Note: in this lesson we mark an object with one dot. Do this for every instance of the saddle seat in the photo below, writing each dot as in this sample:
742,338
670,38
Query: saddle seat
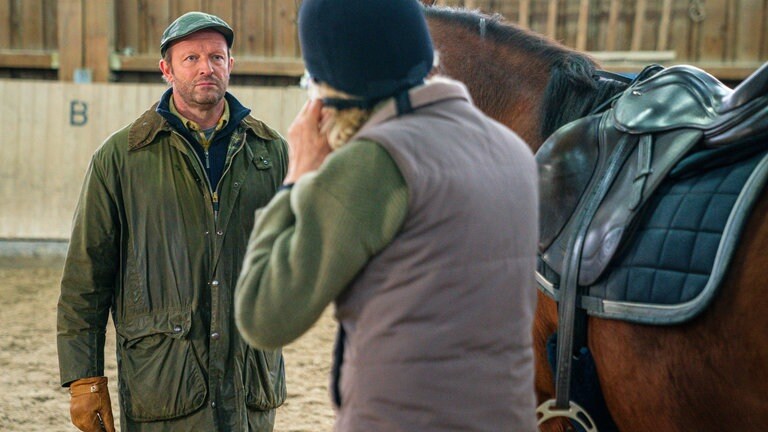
607,166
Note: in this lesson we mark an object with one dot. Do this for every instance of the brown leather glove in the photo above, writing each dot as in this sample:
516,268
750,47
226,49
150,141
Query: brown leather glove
90,406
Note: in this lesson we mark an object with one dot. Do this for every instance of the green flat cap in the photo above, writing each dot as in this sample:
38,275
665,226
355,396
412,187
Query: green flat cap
192,22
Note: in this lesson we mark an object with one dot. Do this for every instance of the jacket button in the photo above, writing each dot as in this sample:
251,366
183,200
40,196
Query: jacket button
220,232
215,335
177,328
213,404
265,161
237,184
206,233
215,283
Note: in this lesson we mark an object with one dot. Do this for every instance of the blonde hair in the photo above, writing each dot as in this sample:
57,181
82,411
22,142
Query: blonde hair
340,125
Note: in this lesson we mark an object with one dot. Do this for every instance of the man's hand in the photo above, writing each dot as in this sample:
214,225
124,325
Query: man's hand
90,406
307,145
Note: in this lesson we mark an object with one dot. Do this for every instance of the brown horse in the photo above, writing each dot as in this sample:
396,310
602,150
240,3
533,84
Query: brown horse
708,374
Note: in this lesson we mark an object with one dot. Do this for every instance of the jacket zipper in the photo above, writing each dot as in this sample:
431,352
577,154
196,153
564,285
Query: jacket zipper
214,197
226,170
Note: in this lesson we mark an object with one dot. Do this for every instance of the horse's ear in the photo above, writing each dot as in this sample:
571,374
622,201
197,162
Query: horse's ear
428,3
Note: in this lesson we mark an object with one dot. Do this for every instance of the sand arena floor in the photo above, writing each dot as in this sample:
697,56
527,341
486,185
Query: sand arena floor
32,400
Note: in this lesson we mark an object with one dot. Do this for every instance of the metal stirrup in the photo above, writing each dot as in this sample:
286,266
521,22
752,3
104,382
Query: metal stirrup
574,412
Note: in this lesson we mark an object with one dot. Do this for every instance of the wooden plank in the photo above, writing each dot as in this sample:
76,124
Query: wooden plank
552,19
525,14
220,8
764,43
681,31
243,65
711,45
750,31
70,19
613,25
153,20
637,28
268,29
262,31
664,25
5,24
50,24
28,59
10,170
180,7
723,71
285,17
31,25
249,39
99,37
127,26
633,56
729,49
29,185
582,27
57,166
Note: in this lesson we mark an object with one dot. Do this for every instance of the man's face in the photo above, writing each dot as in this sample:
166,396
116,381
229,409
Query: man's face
199,69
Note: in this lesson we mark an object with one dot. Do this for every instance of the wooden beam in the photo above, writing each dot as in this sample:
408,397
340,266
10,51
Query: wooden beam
31,19
581,27
613,25
5,24
722,71
664,24
70,43
552,19
524,14
28,59
243,65
633,56
100,37
637,28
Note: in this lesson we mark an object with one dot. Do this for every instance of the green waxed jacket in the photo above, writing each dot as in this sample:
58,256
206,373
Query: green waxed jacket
148,246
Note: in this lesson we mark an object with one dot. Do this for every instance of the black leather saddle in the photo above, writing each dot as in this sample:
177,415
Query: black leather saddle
614,161
598,174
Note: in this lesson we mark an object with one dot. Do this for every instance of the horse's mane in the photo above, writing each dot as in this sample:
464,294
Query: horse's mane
573,89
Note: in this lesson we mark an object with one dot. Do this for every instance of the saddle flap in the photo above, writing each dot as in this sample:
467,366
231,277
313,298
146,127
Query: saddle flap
679,96
567,162
567,183
622,204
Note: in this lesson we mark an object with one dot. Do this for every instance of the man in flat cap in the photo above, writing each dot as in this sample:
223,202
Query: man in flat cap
158,240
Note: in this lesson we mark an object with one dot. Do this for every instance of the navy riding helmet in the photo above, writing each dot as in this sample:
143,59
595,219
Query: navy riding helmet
370,49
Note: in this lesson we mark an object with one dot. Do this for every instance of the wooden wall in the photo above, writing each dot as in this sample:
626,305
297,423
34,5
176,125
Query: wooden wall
116,38
729,38
50,129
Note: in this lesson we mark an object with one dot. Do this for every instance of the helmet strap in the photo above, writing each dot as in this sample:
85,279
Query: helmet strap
403,103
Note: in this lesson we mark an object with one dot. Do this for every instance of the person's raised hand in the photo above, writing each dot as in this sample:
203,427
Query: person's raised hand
307,145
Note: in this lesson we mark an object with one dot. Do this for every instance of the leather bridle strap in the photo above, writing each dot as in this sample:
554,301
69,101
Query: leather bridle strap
569,292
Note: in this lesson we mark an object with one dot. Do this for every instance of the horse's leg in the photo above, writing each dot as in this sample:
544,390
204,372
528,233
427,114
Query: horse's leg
710,374
544,325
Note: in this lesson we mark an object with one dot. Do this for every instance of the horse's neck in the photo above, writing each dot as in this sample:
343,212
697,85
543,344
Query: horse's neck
506,89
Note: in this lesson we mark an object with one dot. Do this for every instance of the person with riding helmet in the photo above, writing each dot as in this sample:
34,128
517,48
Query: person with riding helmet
417,216
159,236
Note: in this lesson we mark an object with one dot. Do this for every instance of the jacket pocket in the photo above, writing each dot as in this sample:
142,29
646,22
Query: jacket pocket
264,379
160,375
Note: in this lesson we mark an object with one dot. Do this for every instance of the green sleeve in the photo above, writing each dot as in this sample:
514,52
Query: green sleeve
88,280
310,242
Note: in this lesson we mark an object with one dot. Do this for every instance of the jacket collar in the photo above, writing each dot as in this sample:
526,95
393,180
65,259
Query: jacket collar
145,129
436,90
